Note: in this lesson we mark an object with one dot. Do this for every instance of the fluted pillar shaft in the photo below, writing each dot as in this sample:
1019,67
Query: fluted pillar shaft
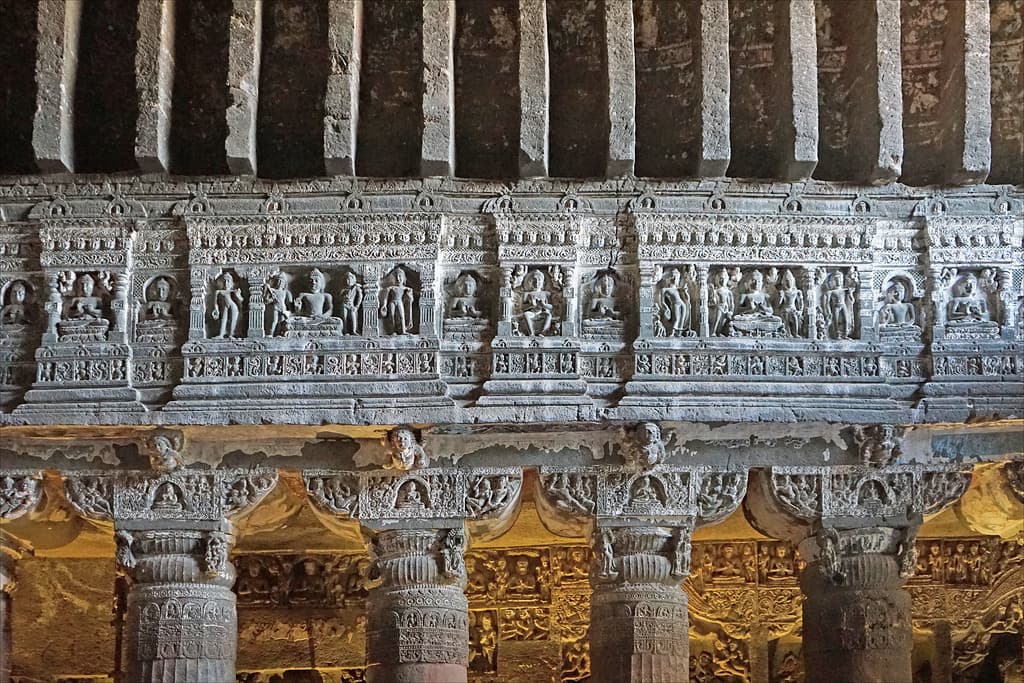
856,613
180,625
639,629
418,617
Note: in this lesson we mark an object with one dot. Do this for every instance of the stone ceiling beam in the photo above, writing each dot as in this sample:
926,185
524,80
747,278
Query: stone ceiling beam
56,72
713,40
154,81
967,94
244,46
876,88
534,89
621,62
796,55
437,155
341,108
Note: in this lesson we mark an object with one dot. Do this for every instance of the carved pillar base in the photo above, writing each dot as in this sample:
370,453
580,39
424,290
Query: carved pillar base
418,618
857,622
639,628
180,625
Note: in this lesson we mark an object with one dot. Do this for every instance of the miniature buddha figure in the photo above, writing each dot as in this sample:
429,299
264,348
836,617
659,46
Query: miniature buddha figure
396,311
522,580
537,308
351,299
464,300
85,306
791,304
838,301
408,496
935,563
252,585
15,312
968,305
780,566
158,305
313,311
728,566
602,299
644,492
721,304
166,499
755,315
315,303
755,301
674,299
476,580
227,302
897,311
308,584
749,561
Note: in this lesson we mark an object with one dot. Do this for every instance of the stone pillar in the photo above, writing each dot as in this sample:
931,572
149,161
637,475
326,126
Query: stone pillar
856,526
415,520
418,617
856,615
180,623
640,517
6,585
639,629
173,537
20,492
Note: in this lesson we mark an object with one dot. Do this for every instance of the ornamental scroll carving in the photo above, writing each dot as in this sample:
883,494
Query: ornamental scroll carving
180,494
430,493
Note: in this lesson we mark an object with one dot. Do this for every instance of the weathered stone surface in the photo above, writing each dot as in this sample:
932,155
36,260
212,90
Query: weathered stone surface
438,152
534,89
244,49
341,107
56,72
154,82
621,63
796,57
715,88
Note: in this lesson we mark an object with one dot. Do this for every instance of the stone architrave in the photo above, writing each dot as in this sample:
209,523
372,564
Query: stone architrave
856,526
173,535
20,492
641,523
414,522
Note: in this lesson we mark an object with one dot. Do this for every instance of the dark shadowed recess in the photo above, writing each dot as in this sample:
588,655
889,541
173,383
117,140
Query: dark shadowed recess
753,82
667,35
391,89
200,99
293,81
106,105
486,88
17,85
578,143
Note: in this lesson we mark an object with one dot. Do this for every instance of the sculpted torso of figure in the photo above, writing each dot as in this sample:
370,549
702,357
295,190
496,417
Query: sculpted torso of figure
464,299
896,310
602,302
226,303
537,309
838,302
315,303
791,304
721,303
755,300
158,307
968,305
397,308
85,306
675,300
14,311
351,300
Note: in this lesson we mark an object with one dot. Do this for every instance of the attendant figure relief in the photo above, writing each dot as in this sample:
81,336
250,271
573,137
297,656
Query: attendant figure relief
404,450
279,302
790,300
672,304
646,447
351,301
227,306
721,303
396,309
838,302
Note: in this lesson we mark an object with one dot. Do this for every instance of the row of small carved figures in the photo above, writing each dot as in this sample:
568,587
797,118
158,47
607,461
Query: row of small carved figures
740,302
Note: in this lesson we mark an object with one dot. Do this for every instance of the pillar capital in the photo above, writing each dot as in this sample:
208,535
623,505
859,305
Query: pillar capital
173,534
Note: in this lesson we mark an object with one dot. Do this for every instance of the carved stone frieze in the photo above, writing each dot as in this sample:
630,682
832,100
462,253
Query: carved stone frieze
20,492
